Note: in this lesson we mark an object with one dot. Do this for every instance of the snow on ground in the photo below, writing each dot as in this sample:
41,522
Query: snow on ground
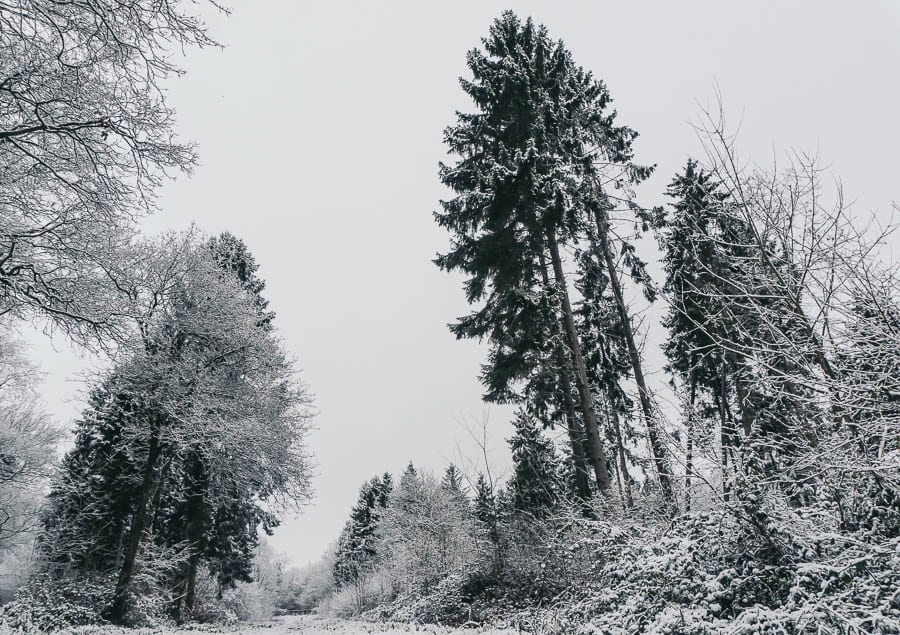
295,625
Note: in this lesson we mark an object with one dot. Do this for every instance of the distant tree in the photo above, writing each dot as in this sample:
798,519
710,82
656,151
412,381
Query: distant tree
425,533
536,486
28,440
357,547
453,483
487,521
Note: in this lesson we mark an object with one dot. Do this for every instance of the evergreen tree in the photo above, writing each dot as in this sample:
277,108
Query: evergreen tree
535,486
525,180
487,521
607,359
703,246
357,545
93,497
733,335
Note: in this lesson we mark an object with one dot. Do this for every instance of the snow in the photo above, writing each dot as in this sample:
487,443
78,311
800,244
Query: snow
293,625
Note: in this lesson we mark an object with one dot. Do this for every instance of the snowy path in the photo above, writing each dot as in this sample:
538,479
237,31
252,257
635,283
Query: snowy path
309,625
298,625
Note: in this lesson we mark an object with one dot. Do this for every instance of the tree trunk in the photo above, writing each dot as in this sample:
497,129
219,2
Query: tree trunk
116,612
574,429
656,443
746,419
721,397
598,457
194,530
620,447
689,454
576,442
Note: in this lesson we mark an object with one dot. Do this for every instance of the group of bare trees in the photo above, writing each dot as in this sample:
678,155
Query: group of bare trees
86,138
785,317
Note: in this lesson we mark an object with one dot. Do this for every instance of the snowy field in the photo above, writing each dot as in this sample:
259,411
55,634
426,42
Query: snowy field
297,625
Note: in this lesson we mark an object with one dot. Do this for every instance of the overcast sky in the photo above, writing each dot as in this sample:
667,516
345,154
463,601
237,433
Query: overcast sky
319,127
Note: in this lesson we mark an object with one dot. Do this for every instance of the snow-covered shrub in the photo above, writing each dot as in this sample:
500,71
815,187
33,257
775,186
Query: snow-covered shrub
45,603
245,602
703,573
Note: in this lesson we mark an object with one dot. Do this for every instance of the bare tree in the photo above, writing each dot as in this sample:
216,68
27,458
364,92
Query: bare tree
27,445
86,137
814,326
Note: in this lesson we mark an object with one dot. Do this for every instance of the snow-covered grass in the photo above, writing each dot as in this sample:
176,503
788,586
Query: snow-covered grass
293,625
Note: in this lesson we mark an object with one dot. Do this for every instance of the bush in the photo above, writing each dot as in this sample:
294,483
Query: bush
47,604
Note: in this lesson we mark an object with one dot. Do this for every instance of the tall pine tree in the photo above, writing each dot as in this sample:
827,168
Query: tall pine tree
526,186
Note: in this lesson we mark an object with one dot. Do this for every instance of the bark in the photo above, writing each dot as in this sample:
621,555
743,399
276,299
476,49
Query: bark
660,458
116,612
625,486
576,441
574,429
746,419
598,457
721,397
194,532
689,454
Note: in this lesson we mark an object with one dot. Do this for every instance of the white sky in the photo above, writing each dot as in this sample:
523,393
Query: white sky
319,128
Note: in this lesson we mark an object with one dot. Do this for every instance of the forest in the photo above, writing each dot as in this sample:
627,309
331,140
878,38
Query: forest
754,488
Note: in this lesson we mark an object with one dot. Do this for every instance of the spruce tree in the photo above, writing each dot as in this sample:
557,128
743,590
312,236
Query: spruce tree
733,333
91,501
524,183
607,359
357,545
702,248
535,486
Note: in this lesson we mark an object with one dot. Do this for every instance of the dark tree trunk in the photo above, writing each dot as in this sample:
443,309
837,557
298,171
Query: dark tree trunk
193,532
573,427
657,447
746,419
689,454
598,457
724,437
625,485
116,612
576,442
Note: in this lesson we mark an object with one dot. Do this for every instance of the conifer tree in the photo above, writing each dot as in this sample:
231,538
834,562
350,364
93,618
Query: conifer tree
733,336
702,247
607,359
357,545
525,183
93,497
484,509
535,486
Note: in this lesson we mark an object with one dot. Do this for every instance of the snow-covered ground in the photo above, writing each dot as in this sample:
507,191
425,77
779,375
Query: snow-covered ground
298,625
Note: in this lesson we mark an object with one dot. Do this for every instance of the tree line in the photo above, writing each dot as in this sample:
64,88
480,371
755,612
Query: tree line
781,348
